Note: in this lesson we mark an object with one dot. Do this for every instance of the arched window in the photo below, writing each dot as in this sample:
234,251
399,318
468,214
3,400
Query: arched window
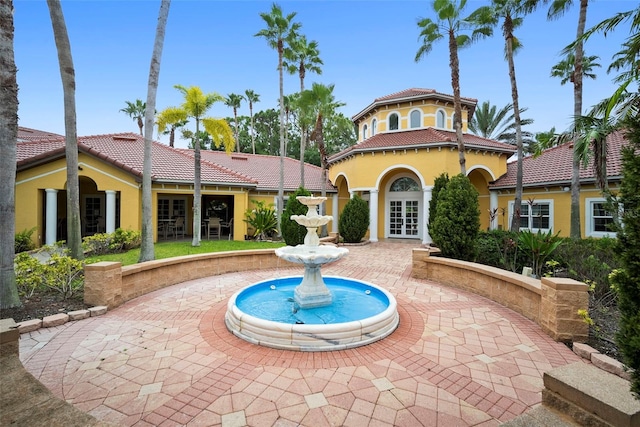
415,119
374,127
393,121
364,132
440,119
404,184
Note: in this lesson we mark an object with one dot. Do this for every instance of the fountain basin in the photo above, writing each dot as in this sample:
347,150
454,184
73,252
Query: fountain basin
264,313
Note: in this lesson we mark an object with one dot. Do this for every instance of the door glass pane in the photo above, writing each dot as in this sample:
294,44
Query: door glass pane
395,217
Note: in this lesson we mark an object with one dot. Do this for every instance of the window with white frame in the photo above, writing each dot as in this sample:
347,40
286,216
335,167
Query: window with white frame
440,119
374,127
364,131
414,119
599,219
536,215
394,121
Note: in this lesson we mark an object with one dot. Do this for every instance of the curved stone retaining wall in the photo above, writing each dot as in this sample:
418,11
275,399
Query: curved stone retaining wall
109,284
552,302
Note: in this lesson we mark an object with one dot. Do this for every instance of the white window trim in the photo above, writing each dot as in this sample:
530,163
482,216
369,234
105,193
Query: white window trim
389,121
365,132
588,214
374,127
420,120
445,118
541,201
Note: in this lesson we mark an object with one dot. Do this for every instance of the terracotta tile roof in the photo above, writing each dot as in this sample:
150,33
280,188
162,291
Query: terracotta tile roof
422,138
265,170
554,166
126,151
414,94
27,134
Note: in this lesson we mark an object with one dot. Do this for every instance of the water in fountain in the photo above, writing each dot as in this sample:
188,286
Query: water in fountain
304,313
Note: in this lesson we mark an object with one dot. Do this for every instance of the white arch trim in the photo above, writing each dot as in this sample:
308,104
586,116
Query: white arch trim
484,168
344,175
400,166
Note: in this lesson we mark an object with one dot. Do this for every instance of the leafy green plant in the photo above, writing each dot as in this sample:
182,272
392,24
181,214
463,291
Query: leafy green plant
292,232
55,271
354,220
262,218
438,184
539,246
457,219
23,242
107,243
499,248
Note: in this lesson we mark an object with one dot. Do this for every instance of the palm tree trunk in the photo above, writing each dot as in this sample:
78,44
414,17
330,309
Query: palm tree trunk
146,248
253,136
282,147
454,64
67,72
196,189
235,119
576,228
302,138
9,297
515,220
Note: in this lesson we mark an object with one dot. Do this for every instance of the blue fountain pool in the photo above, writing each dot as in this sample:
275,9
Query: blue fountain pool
273,300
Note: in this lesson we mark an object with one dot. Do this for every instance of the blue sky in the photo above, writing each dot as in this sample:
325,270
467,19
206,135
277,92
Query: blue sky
368,49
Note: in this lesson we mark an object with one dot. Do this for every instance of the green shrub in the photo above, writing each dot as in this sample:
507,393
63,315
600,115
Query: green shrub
262,219
354,220
292,232
627,278
23,242
457,220
56,271
499,248
590,261
111,243
439,183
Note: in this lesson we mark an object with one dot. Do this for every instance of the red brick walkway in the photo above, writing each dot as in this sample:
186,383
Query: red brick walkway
167,359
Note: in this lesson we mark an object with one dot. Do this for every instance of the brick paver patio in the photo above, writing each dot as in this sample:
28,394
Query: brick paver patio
167,359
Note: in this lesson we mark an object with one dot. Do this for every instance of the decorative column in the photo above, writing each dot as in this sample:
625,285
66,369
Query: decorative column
373,215
51,216
426,199
351,194
334,213
493,207
110,222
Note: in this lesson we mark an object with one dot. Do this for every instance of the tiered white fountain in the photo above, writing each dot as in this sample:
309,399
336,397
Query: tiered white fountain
307,314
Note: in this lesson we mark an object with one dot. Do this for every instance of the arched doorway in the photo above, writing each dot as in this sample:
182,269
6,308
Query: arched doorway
403,209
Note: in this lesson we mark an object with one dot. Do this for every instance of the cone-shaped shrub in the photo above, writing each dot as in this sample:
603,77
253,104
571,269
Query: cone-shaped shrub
354,220
292,232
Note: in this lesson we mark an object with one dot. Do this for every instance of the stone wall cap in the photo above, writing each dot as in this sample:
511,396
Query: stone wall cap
8,331
563,284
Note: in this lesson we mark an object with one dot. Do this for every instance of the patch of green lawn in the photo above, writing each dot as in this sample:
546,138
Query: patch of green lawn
174,249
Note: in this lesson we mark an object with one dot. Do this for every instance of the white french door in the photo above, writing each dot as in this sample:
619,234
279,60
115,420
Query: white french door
404,218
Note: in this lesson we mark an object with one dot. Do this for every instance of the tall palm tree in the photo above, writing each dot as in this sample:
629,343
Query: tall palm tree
172,118
565,70
320,103
302,56
136,110
196,103
512,13
252,98
234,100
289,107
489,122
9,297
450,24
279,32
67,72
579,63
146,247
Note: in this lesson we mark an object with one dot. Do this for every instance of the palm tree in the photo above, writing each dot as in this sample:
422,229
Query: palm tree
280,31
578,64
512,13
451,24
146,247
565,69
173,118
196,103
289,106
252,98
320,103
489,122
67,72
302,56
234,100
136,110
9,296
